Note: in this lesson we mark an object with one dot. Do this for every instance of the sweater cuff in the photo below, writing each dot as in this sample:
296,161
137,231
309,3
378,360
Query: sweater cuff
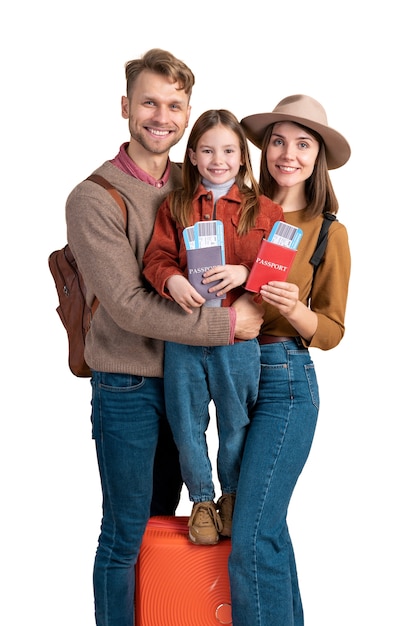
232,316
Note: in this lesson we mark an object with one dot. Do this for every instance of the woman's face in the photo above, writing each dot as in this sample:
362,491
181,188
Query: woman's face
291,154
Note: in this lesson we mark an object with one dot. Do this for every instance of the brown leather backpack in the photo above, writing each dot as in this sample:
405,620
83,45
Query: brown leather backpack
73,310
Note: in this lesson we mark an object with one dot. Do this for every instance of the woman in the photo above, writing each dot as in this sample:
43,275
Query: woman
298,148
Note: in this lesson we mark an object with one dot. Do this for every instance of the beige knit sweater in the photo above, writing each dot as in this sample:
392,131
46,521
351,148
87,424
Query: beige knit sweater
132,321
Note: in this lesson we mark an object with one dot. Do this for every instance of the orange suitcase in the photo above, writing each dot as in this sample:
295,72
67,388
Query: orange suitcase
178,583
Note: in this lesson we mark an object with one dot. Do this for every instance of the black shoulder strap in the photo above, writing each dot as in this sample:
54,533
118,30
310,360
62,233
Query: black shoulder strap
317,257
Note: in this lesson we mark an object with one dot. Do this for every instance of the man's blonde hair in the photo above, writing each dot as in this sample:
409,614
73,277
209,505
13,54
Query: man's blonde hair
160,62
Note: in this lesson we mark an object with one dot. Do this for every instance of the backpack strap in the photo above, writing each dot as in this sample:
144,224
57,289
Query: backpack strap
96,178
317,257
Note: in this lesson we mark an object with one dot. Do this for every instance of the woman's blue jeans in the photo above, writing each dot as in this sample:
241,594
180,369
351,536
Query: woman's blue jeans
262,569
140,475
194,375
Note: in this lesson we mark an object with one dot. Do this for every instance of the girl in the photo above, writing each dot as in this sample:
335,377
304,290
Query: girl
218,184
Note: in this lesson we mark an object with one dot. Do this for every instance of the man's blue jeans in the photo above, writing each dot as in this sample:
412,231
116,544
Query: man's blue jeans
129,424
194,375
262,569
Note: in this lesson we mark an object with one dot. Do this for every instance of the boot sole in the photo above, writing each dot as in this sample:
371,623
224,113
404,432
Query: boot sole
200,541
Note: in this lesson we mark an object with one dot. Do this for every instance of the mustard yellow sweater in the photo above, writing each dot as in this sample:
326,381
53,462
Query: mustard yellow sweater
330,290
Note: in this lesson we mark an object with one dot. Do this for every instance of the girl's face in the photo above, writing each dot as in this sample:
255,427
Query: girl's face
291,154
218,156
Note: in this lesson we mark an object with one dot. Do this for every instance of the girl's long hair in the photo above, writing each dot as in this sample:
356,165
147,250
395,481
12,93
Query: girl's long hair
180,200
318,187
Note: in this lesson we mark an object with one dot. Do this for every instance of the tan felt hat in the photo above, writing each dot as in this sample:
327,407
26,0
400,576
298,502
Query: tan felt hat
308,112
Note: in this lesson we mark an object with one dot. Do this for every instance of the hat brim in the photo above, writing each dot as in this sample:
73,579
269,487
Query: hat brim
337,148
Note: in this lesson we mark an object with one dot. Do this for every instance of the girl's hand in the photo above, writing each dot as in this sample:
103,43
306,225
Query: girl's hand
184,293
230,276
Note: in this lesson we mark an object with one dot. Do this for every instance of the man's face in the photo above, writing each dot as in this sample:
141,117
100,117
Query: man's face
158,112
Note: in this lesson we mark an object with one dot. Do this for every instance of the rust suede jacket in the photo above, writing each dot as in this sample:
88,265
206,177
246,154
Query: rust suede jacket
166,253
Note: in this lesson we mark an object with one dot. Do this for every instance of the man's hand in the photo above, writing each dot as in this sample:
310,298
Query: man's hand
249,317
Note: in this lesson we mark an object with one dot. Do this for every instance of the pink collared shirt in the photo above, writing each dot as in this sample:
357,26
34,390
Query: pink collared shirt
128,166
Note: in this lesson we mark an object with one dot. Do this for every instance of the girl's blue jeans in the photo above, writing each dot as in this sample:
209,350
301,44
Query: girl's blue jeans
193,376
262,569
140,476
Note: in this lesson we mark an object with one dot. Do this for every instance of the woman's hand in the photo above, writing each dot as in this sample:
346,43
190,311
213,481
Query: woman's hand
284,296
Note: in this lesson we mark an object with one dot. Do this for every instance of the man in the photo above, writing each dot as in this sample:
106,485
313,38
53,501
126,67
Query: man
137,459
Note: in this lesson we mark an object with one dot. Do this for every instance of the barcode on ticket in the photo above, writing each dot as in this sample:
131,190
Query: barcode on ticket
204,235
286,235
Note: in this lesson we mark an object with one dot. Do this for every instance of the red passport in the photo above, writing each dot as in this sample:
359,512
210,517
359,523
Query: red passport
273,262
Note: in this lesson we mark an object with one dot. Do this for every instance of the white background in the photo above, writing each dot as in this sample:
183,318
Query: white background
352,517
